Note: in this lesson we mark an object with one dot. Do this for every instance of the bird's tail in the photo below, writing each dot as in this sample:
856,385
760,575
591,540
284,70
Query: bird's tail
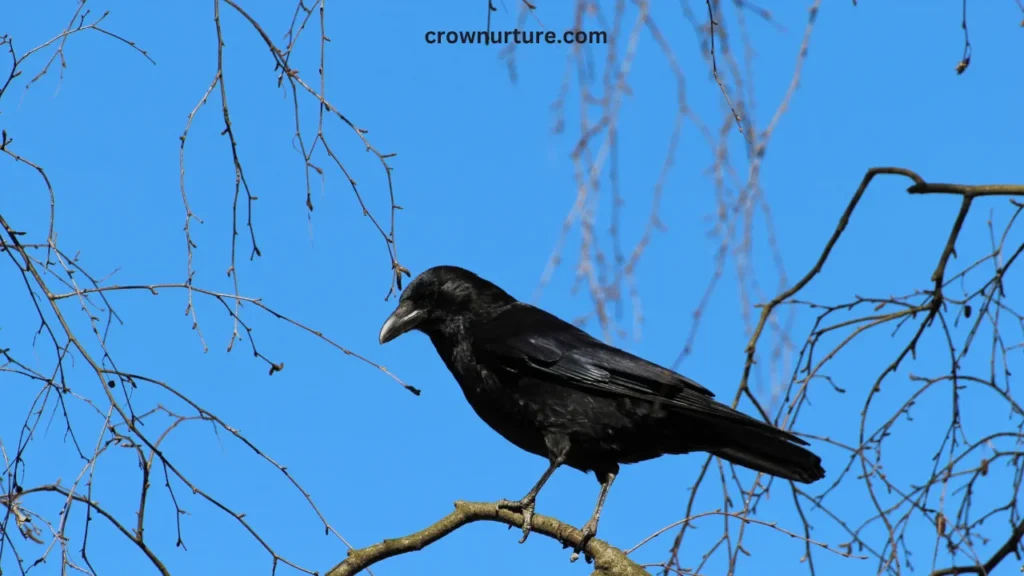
764,449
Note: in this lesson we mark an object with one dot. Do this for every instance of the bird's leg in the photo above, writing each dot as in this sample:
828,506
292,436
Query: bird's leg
526,504
590,528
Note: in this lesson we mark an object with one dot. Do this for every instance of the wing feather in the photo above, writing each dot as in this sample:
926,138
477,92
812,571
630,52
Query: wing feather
532,342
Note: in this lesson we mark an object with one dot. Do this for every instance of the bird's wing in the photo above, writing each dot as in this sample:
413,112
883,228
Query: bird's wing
529,341
524,333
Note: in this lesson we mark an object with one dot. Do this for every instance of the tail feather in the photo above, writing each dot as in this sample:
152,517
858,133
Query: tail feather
772,455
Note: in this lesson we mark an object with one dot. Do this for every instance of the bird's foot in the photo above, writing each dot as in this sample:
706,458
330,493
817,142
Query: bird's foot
524,507
589,530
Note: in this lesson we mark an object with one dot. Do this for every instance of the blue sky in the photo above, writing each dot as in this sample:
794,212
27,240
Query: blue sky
485,184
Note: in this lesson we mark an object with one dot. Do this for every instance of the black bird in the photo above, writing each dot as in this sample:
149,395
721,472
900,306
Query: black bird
553,390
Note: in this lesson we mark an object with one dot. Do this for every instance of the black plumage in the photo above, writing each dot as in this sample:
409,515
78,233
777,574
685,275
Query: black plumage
555,391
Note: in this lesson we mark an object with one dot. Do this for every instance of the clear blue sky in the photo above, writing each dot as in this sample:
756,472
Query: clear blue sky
486,185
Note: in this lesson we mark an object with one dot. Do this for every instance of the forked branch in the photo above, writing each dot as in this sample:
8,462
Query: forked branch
608,560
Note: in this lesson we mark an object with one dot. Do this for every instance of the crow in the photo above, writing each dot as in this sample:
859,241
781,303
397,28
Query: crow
553,390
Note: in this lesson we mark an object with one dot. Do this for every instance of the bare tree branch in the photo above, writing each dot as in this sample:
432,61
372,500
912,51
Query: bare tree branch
608,560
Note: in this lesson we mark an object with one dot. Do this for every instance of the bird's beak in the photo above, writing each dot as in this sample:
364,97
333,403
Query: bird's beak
403,319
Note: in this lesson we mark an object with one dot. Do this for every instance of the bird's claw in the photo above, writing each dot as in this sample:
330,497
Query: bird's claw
524,507
589,530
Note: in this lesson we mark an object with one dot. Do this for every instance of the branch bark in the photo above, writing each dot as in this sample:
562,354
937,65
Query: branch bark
608,560
1010,547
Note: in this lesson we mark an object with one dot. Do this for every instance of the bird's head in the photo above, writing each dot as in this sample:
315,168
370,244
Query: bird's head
441,297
